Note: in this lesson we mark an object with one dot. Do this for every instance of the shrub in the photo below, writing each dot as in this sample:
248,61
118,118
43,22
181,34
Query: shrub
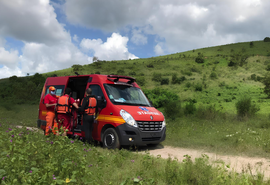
141,80
121,72
207,112
253,77
97,72
213,75
189,108
188,85
157,77
173,109
245,107
199,59
266,82
77,67
268,67
160,97
132,73
176,80
198,87
150,66
164,81
266,39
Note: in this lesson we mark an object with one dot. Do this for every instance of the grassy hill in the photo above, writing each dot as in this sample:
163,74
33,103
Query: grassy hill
211,82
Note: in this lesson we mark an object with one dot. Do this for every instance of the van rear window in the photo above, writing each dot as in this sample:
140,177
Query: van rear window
59,89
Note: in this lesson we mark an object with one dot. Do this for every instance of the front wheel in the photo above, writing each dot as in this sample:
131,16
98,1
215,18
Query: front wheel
110,139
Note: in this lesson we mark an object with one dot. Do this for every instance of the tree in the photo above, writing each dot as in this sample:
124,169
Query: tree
266,39
266,82
95,59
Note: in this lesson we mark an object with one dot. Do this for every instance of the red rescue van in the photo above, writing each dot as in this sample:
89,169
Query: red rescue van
126,117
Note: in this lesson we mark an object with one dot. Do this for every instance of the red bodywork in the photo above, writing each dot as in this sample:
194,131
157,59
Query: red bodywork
111,113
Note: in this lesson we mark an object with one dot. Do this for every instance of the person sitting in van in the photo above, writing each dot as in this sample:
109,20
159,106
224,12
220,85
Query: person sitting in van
50,102
89,109
63,110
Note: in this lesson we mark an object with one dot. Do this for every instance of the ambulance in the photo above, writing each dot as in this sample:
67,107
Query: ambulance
126,117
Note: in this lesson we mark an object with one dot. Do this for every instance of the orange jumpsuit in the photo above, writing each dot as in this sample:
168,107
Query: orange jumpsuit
51,123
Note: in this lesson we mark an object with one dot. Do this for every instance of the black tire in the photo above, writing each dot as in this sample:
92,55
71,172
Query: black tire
110,139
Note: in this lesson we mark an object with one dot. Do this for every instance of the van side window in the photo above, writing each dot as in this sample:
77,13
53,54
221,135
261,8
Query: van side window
59,89
96,90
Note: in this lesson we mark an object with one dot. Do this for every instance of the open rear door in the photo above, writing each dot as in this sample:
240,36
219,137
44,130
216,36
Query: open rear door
60,84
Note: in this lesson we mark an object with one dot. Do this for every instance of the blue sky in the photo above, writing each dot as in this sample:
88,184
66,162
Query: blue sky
42,35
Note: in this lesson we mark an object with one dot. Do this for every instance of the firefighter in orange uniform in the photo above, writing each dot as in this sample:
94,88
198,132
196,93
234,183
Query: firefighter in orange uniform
89,109
63,110
50,102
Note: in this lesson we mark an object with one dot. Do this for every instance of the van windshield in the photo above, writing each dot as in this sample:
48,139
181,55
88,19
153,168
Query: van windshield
126,95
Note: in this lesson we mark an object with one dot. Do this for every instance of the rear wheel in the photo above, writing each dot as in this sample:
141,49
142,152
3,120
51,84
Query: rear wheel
110,139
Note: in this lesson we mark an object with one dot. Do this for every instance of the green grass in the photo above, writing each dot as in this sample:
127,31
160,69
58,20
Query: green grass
28,157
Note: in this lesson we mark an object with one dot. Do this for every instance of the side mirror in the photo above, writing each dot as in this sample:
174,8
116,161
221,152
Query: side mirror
101,102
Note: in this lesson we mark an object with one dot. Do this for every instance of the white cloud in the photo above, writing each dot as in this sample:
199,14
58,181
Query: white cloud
158,49
42,58
9,59
138,38
181,25
115,48
31,21
75,38
7,72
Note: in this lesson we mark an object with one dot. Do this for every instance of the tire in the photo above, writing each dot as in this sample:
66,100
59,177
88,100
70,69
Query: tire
110,139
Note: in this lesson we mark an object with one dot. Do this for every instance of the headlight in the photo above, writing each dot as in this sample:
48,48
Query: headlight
128,118
163,124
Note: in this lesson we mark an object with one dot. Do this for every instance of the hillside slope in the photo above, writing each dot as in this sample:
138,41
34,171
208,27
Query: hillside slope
216,75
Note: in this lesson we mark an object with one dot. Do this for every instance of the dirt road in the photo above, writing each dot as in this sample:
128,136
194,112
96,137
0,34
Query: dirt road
236,163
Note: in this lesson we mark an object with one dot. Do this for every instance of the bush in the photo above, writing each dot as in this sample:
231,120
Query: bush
245,107
132,73
97,72
77,67
213,75
120,72
266,39
160,97
164,81
173,109
176,80
189,108
198,87
266,82
157,77
140,80
150,66
207,112
268,67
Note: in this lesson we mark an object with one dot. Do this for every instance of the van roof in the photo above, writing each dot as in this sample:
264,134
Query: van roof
99,78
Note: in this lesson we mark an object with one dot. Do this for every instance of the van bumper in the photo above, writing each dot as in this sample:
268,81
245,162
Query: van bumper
134,136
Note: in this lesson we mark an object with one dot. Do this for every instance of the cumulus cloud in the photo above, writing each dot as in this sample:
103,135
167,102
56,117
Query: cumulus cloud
31,21
182,25
8,58
42,58
115,48
138,37
7,72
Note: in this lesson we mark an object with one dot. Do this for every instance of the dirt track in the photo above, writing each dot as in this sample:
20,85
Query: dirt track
236,163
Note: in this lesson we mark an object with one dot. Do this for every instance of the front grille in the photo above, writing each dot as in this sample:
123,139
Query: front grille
149,125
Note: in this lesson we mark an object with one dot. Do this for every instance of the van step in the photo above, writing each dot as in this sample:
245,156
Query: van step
77,130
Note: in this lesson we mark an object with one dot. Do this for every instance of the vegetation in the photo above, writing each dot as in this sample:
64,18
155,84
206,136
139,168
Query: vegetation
27,157
219,103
